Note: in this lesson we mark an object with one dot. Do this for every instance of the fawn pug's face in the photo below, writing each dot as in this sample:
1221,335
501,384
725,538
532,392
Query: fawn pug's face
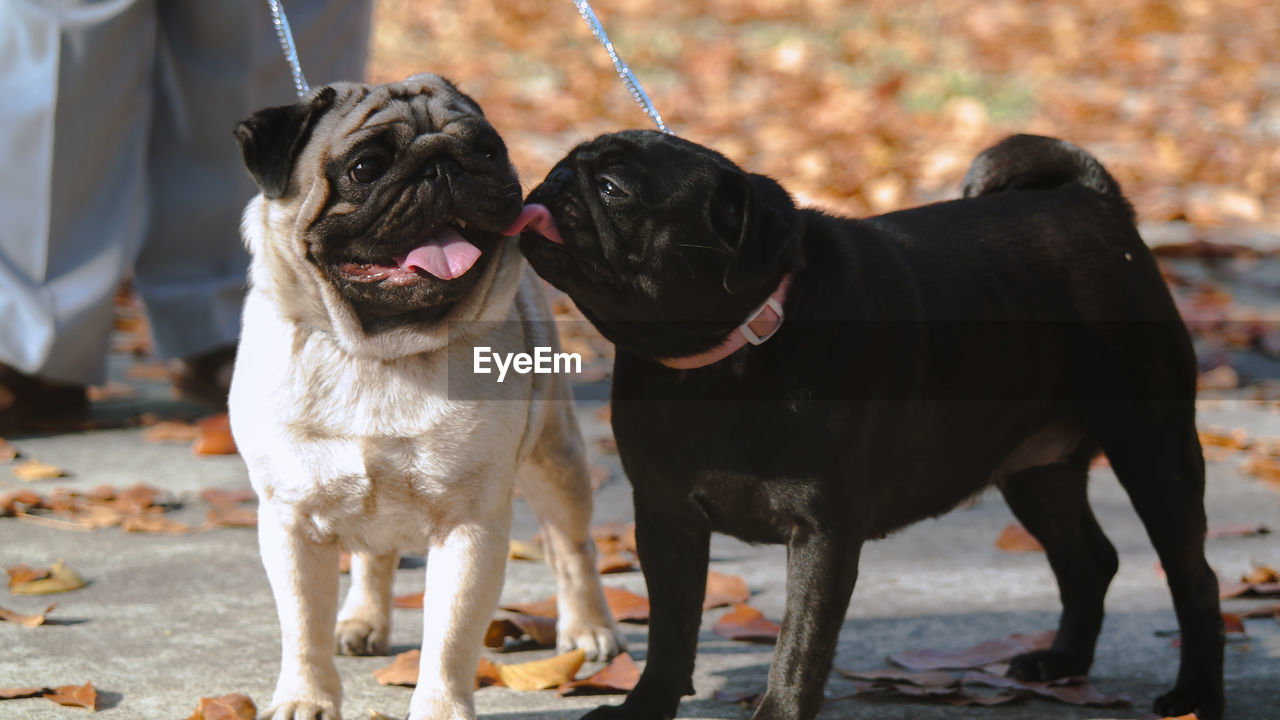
397,194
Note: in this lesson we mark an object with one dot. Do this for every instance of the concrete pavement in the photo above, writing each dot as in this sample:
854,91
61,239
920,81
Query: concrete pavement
169,619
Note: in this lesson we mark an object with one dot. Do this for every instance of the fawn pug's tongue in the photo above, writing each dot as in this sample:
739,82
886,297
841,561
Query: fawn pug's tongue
445,255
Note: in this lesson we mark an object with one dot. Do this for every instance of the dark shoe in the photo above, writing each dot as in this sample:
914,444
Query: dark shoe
27,400
206,378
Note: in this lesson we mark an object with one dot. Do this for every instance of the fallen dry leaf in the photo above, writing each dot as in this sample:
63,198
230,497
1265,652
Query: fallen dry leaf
403,670
26,620
541,608
981,654
619,676
84,696
157,524
745,698
935,678
33,581
1237,439
520,550
412,601
1015,538
225,707
487,674
171,431
1265,468
230,516
32,470
7,451
542,674
22,692
215,436
748,624
616,563
541,631
1262,581
1242,530
10,500
1073,691
724,590
615,538
627,606
112,390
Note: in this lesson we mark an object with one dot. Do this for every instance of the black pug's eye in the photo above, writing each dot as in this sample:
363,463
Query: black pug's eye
367,168
609,188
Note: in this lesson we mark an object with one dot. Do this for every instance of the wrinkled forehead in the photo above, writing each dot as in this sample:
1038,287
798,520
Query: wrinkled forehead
419,105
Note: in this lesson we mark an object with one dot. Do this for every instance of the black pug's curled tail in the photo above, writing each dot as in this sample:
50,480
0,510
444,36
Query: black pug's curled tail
1035,162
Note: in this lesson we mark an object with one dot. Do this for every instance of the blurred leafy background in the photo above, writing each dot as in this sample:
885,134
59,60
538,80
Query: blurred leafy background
864,107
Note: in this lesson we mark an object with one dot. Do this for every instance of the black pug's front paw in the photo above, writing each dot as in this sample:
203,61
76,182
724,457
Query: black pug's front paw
1206,703
1046,666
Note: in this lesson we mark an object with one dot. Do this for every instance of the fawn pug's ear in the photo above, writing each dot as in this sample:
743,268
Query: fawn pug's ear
271,139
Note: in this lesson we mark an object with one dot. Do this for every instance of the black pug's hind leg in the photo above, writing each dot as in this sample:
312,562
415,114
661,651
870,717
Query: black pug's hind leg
674,549
821,570
1052,503
1160,465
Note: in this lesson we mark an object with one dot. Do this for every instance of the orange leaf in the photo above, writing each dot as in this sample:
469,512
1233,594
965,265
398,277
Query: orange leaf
23,573
171,431
231,516
33,469
542,608
23,692
26,620
226,496
75,696
1015,538
615,563
402,671
627,606
215,436
7,451
619,676
154,524
724,590
617,537
11,499
542,674
487,674
1237,439
540,630
411,601
1232,623
225,707
981,654
58,578
748,624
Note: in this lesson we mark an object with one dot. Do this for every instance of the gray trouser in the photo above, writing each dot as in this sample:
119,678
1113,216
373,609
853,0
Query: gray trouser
115,137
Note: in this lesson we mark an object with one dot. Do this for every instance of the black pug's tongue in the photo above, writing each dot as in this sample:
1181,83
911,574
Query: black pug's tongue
447,255
537,218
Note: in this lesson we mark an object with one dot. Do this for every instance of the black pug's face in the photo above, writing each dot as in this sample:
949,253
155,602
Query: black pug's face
665,245
417,190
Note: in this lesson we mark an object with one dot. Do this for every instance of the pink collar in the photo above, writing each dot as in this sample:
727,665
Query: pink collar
759,327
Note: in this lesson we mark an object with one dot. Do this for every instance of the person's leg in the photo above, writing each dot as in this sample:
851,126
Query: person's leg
76,81
216,63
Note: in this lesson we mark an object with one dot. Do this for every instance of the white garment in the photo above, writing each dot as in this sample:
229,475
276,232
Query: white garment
116,155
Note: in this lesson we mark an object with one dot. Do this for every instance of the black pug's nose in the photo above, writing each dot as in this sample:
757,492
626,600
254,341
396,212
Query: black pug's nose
441,169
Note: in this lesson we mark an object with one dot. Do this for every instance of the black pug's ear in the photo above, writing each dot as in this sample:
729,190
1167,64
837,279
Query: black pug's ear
768,226
271,139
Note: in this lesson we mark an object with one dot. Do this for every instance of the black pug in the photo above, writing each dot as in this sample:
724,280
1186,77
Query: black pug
786,376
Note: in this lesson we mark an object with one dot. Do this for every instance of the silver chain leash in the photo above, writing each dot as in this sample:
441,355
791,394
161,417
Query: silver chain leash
285,35
627,77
